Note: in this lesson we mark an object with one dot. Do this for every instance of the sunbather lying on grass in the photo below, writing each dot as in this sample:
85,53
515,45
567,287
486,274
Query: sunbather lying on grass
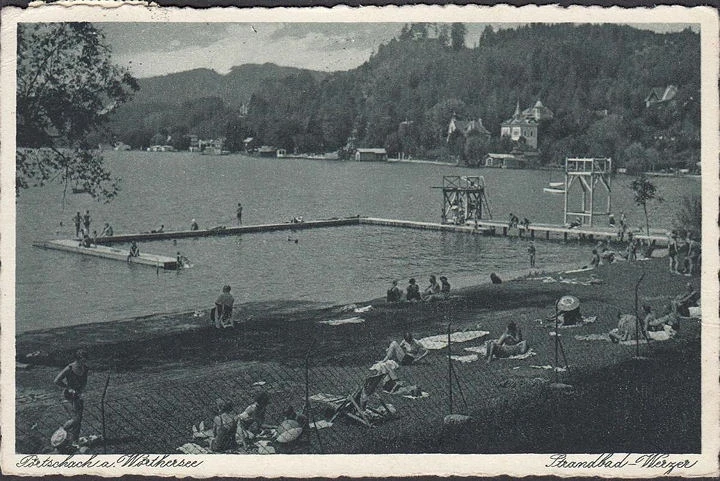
509,344
406,351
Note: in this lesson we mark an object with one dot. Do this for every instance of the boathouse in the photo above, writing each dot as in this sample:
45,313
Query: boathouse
371,154
267,151
505,161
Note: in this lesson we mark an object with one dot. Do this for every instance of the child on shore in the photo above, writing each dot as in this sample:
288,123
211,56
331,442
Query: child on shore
224,427
252,418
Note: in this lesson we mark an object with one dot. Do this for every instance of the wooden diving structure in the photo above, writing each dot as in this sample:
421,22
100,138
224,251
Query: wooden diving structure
463,198
590,174
106,252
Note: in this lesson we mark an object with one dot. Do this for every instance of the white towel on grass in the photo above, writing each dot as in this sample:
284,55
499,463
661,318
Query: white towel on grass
340,322
482,352
440,341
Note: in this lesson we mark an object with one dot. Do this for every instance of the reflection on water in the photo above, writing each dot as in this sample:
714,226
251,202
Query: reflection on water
334,265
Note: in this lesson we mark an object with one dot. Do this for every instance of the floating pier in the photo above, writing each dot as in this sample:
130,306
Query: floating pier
105,252
483,227
223,230
409,224
555,232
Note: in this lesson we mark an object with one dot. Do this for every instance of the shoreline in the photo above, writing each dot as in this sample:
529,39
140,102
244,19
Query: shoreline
274,347
177,322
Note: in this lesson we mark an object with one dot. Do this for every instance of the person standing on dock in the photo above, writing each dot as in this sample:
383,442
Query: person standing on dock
73,380
239,213
86,221
77,220
531,253
134,250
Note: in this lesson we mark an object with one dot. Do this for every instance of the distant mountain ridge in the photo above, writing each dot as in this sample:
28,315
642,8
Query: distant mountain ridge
235,88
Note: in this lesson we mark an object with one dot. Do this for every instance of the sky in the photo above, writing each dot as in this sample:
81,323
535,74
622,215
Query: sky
151,49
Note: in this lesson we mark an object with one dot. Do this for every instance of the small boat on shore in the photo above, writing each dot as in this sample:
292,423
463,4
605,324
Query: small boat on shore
553,190
556,185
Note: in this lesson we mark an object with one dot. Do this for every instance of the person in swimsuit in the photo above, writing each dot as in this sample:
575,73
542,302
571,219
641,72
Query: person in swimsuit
73,379
444,286
432,289
107,231
509,344
223,308
224,427
413,291
239,213
673,253
531,252
194,225
394,294
86,221
134,250
252,418
406,351
77,220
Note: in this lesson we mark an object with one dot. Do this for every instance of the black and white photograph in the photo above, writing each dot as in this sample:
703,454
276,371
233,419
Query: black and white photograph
409,231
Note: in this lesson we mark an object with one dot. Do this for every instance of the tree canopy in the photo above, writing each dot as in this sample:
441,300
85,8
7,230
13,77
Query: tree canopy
594,78
67,86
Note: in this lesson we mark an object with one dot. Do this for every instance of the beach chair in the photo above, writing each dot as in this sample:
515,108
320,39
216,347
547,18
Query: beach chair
355,406
221,320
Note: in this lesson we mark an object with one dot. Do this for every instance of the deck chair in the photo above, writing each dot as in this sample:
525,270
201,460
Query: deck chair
355,405
223,319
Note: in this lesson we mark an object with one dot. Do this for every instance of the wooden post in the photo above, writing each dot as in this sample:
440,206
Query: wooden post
547,234
450,393
565,236
102,413
532,233
505,231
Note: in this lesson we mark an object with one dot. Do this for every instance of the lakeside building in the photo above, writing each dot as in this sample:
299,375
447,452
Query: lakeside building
524,124
659,95
267,151
467,127
371,154
505,161
161,148
194,143
213,146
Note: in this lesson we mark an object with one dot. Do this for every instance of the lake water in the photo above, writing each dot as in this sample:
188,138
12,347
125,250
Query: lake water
326,266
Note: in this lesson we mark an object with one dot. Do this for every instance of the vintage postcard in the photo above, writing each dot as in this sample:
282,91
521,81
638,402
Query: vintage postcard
359,241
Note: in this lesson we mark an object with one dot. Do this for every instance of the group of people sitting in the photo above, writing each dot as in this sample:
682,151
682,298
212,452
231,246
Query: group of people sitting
227,426
629,329
514,221
435,291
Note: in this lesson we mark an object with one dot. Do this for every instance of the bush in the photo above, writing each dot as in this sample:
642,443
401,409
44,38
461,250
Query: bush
689,217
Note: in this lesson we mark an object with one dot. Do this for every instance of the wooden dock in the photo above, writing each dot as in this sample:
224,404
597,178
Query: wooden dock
483,227
556,232
223,230
409,224
105,252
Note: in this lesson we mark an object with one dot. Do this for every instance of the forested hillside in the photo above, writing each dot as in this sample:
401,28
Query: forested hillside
595,78
200,101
